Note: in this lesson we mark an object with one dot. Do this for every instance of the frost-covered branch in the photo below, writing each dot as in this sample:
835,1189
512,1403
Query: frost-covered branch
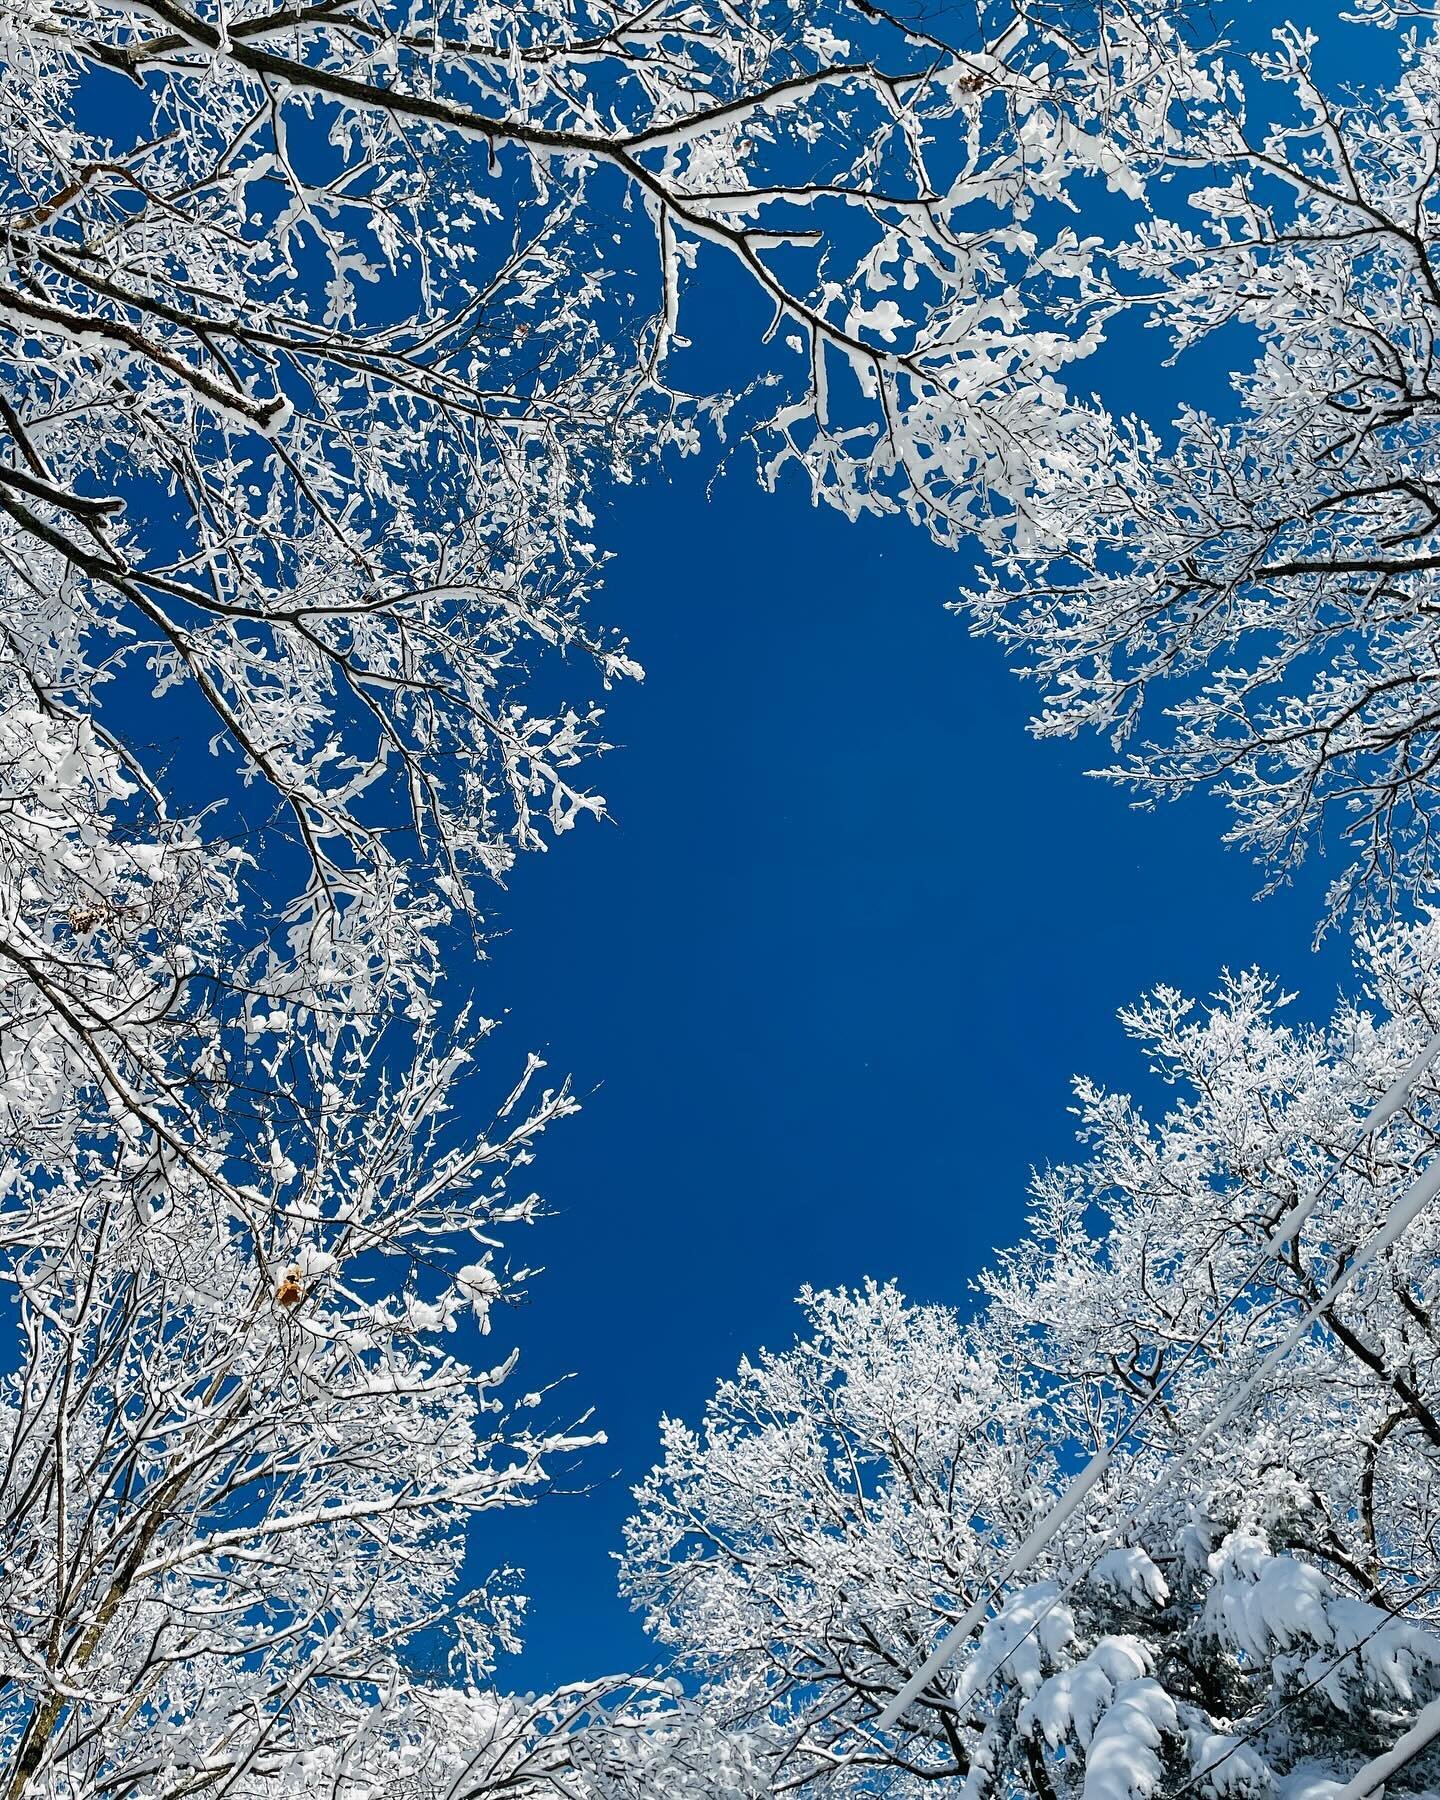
1273,562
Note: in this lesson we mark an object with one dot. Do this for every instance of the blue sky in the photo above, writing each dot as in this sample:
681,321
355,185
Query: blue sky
828,975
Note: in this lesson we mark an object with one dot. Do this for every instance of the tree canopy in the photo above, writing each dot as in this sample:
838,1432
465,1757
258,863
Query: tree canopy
324,329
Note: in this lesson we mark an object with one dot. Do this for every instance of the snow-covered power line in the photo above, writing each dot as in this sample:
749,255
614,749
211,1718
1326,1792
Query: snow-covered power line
1372,1778
1412,1202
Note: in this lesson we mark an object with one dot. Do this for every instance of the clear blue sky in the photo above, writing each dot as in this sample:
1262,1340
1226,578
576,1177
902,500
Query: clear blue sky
829,975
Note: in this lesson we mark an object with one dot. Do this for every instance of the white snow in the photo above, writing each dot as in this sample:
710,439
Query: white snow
1227,1767
1127,1570
1071,1703
1025,1636
1123,1761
